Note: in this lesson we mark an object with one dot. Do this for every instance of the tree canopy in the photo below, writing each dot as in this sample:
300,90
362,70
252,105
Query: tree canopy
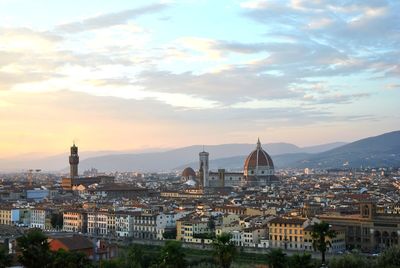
224,250
35,250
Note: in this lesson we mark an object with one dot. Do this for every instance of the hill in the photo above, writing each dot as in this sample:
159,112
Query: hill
378,151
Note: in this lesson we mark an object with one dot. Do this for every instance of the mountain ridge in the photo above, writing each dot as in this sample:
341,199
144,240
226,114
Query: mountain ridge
381,150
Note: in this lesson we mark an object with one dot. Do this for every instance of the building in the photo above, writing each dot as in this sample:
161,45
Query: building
258,167
40,218
69,184
75,243
145,226
296,234
258,170
5,216
192,228
113,190
188,174
253,235
124,221
369,230
203,170
75,221
74,181
167,222
73,162
98,222
287,233
37,194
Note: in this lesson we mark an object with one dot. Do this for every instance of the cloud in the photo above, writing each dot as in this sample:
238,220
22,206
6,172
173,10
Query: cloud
27,40
110,19
392,86
226,86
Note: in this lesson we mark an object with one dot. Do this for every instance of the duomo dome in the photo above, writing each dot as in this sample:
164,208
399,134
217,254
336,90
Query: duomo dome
258,163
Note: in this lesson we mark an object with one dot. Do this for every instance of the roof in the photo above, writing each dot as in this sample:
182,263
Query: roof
187,172
75,242
258,158
288,220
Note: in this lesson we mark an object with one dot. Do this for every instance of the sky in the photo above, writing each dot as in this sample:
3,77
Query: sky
123,75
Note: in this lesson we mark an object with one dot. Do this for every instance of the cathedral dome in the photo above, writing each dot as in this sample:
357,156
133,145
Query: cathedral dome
188,172
258,163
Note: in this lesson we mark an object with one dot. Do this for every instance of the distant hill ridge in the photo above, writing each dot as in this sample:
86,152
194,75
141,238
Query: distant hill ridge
378,151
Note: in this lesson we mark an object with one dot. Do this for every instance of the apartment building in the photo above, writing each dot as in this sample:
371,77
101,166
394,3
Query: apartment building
75,221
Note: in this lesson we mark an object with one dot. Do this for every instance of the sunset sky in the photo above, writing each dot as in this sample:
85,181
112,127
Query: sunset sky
119,75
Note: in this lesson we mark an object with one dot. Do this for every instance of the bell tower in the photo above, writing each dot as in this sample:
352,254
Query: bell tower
73,161
203,172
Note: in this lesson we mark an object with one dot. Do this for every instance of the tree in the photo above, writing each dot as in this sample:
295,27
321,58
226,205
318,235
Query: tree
276,258
390,257
301,261
5,258
211,224
133,257
224,250
353,260
35,250
172,256
170,234
57,220
113,263
70,259
321,231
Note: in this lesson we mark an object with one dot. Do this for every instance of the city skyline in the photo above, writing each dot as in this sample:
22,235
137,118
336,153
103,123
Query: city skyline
133,76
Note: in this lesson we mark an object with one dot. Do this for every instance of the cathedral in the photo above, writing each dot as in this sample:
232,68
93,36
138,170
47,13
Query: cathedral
258,170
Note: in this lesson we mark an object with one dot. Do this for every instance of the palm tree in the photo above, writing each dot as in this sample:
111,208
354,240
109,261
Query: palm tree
224,250
321,231
172,255
276,258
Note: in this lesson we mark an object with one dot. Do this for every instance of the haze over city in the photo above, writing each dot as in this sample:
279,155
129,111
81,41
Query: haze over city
119,75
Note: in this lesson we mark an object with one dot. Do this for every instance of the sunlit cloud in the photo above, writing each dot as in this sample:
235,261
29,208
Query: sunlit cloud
159,69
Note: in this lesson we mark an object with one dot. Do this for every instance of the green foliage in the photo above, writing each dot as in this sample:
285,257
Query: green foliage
319,234
353,260
35,251
114,263
276,258
5,258
224,250
301,261
57,220
170,234
133,257
390,258
68,259
204,235
172,255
